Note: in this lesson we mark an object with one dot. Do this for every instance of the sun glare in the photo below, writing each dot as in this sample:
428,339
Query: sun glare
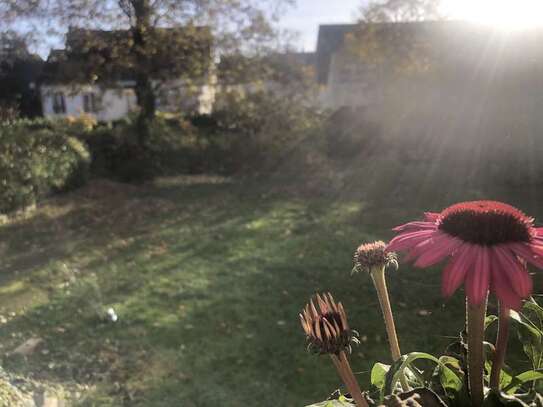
507,14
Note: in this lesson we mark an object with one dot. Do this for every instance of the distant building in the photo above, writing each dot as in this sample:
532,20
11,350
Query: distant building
94,75
336,90
468,56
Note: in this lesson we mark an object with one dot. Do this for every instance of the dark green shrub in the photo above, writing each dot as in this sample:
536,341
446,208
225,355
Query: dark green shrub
256,130
8,112
36,163
117,154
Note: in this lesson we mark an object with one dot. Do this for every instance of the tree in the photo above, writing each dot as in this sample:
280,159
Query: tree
392,37
401,11
141,28
19,69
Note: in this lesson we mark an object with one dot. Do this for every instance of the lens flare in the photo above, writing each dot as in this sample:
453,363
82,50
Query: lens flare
506,14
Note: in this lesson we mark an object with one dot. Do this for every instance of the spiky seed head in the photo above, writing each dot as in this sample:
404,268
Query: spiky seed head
371,256
325,325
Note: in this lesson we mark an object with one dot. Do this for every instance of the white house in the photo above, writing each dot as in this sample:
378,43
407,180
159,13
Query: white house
112,96
74,100
115,102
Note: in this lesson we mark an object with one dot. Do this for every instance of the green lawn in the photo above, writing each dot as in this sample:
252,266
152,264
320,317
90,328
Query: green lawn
207,279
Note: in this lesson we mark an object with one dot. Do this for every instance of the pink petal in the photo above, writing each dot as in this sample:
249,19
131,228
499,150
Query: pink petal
478,278
408,240
531,253
436,239
438,252
454,272
420,248
536,247
414,226
516,273
501,287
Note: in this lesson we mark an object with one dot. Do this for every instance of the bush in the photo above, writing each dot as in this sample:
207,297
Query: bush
117,154
37,162
8,112
255,130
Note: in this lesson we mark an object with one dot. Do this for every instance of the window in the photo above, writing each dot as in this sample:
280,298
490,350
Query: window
91,103
59,104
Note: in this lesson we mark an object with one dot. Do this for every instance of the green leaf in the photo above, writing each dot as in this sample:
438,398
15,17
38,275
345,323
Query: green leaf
535,308
530,376
525,377
449,380
495,399
448,377
378,375
530,334
451,361
489,320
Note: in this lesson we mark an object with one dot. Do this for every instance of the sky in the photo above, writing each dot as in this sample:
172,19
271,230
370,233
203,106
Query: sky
306,16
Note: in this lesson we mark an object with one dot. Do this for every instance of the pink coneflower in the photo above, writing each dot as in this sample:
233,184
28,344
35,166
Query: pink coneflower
489,244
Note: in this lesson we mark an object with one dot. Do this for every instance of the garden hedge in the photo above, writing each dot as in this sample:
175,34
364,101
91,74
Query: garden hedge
37,162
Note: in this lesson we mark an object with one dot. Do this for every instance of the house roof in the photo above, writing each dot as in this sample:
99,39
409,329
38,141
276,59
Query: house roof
330,38
462,44
106,56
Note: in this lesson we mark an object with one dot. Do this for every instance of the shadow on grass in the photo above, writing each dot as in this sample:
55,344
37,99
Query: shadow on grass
207,281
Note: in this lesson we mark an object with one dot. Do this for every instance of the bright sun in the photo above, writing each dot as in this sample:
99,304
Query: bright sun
509,14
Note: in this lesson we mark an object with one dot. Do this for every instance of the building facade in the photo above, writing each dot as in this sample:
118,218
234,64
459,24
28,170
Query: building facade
95,75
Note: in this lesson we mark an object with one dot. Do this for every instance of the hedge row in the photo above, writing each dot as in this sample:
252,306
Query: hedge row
246,133
37,162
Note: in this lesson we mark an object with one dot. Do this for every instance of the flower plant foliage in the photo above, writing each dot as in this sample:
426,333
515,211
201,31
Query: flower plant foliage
488,247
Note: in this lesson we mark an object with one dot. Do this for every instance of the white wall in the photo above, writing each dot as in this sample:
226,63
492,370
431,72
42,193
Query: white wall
183,96
115,103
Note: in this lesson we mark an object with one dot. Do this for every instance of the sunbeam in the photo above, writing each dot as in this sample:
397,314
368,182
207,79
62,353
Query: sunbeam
506,14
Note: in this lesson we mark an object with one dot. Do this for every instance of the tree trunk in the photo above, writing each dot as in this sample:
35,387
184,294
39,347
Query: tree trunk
146,102
144,88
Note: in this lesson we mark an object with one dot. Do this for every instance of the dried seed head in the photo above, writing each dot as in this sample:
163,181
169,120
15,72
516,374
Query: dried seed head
371,256
325,325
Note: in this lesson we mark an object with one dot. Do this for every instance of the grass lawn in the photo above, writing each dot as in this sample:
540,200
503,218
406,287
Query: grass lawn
207,277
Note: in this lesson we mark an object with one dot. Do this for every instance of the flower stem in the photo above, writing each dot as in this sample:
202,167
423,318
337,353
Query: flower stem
475,316
378,277
344,369
501,347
